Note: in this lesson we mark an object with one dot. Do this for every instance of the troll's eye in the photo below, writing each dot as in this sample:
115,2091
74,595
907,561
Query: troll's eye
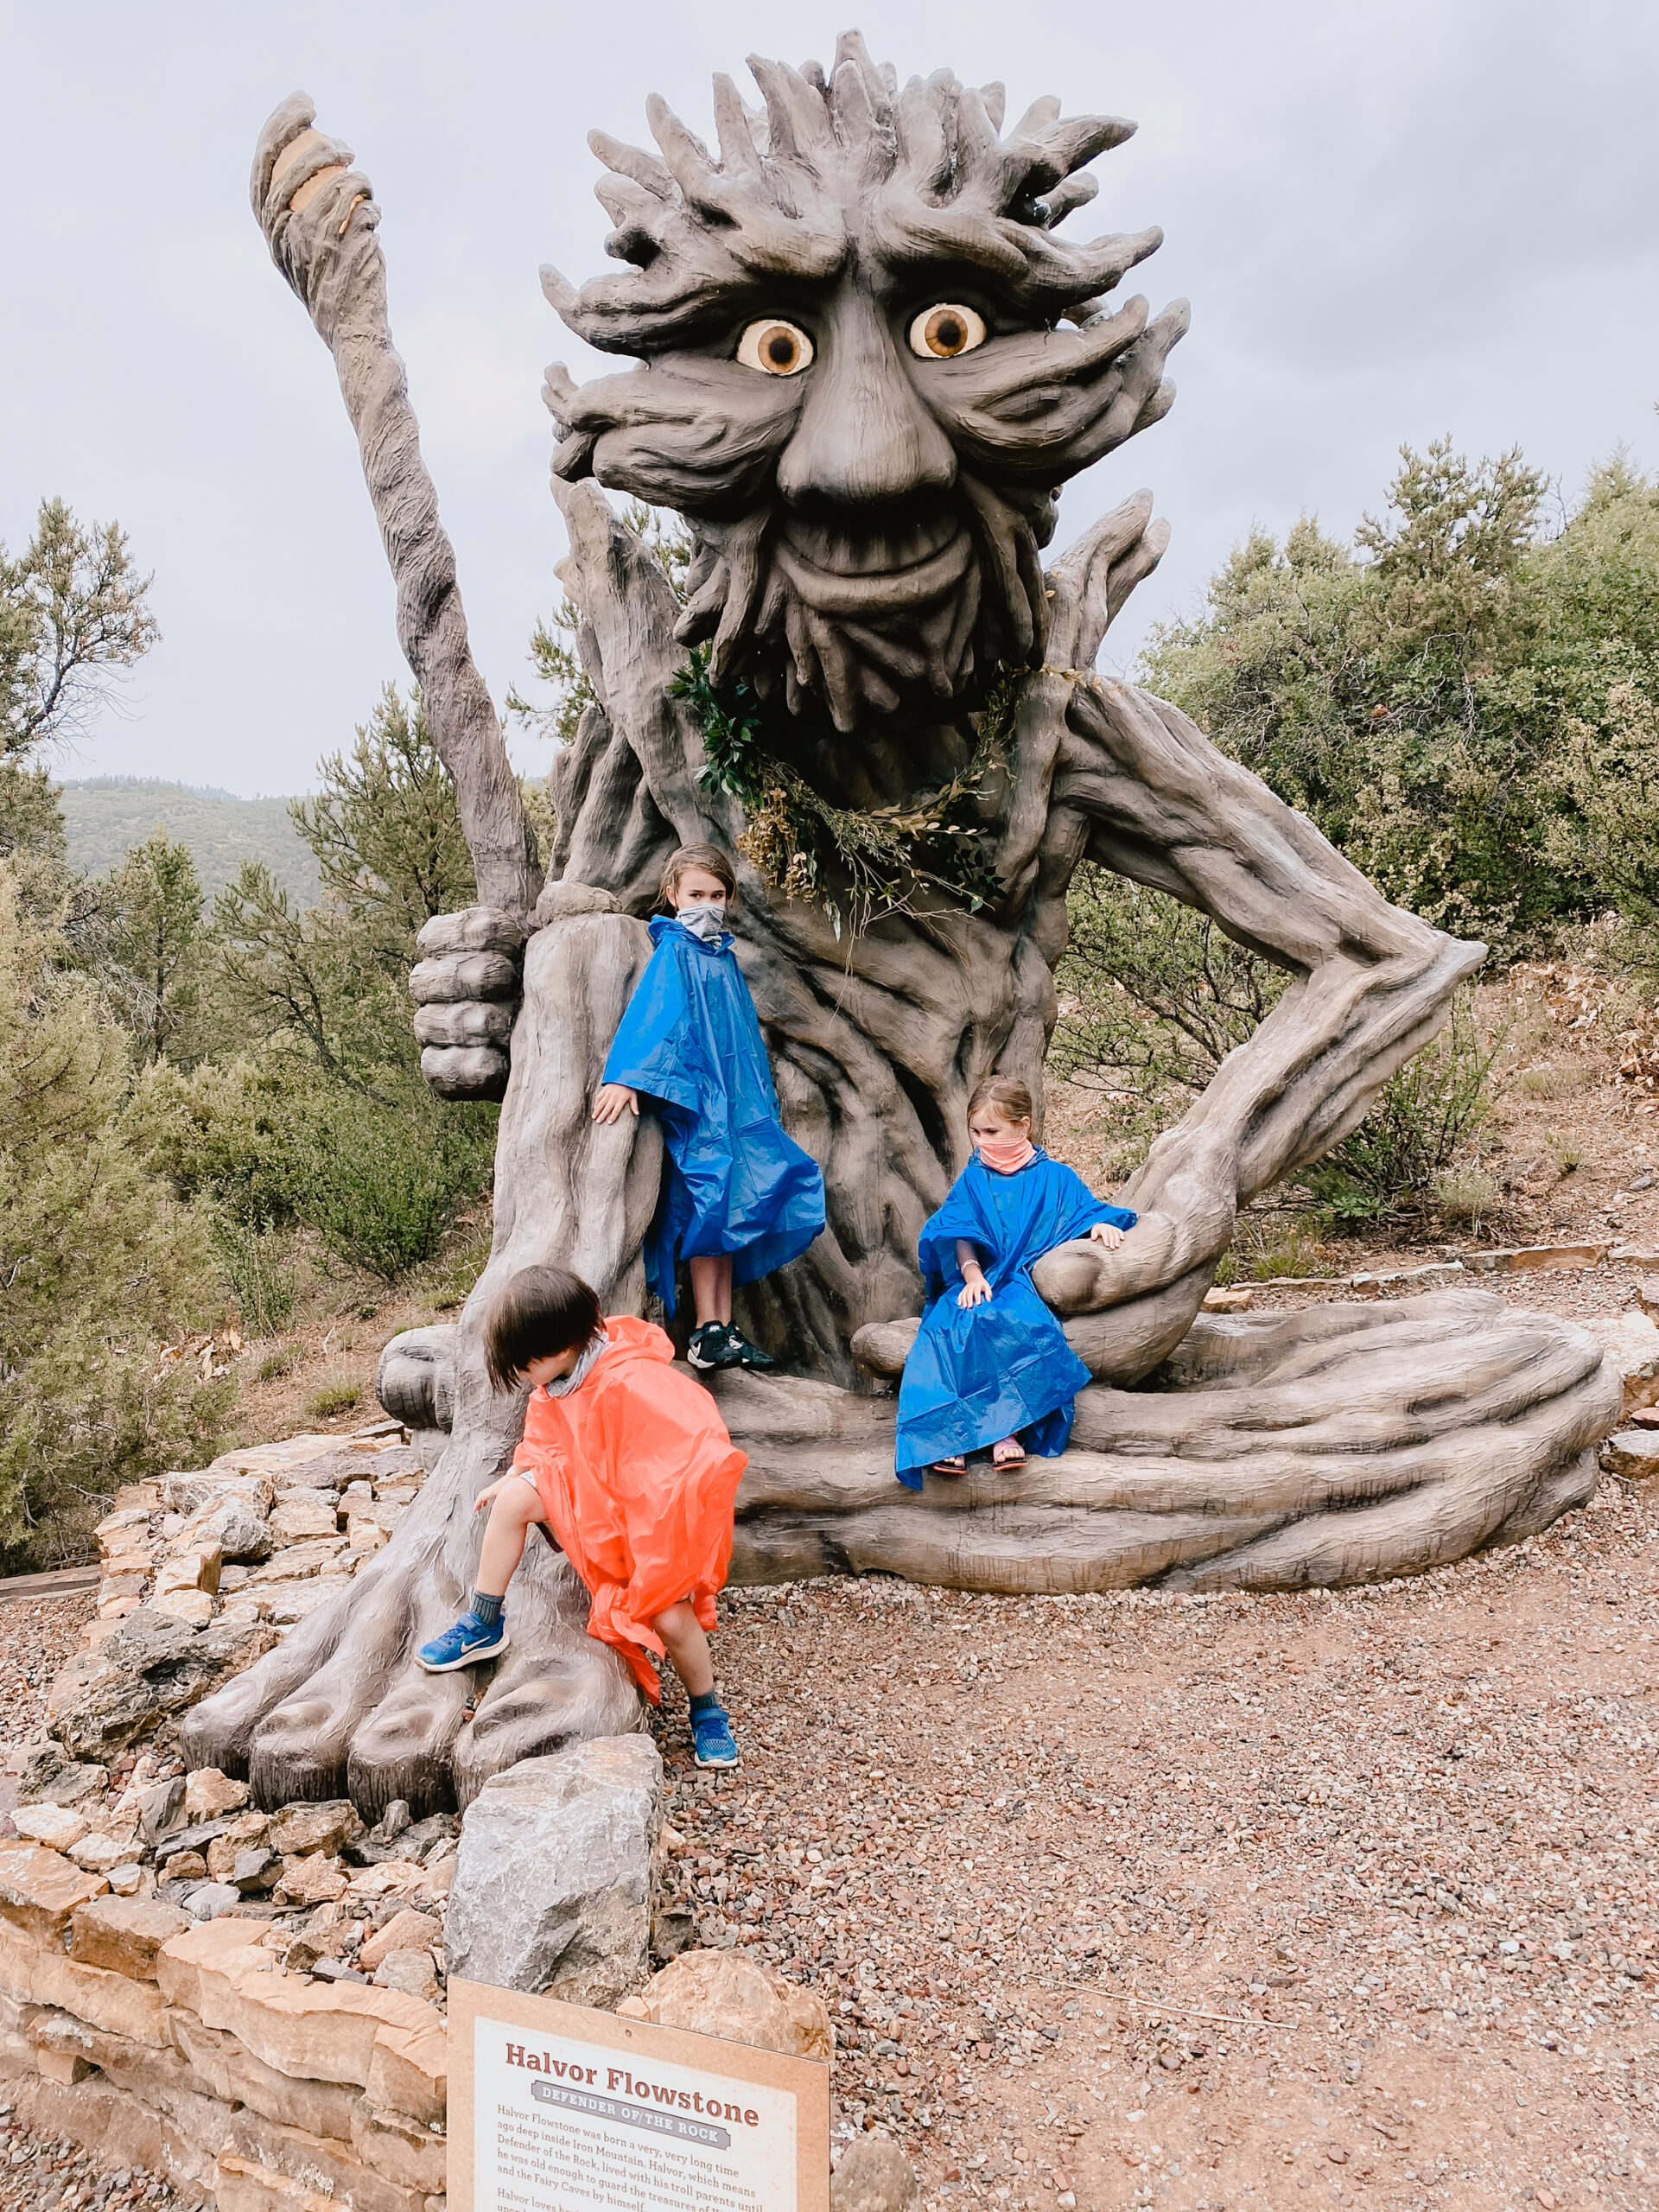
940,334
781,348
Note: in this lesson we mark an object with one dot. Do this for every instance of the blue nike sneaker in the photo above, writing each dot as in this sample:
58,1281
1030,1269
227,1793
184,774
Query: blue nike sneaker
466,1644
712,1739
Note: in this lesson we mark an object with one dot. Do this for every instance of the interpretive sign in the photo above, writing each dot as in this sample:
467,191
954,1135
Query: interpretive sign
556,2108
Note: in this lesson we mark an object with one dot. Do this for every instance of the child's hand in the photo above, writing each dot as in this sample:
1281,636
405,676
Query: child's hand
613,1100
975,1290
486,1497
1105,1233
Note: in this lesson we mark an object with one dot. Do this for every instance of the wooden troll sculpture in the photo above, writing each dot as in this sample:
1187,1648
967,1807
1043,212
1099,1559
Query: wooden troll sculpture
866,361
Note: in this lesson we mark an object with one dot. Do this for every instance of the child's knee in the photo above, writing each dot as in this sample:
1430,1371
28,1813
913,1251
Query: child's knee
515,1505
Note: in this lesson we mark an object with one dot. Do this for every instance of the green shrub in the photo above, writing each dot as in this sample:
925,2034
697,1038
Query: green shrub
275,1365
1154,997
1423,1117
257,1258
101,1268
380,1178
382,1187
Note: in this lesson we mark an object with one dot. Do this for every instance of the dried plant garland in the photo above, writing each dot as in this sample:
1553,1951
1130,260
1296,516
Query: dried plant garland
858,864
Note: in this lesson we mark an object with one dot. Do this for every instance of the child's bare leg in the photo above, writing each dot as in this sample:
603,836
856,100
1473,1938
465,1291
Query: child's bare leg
687,1646
711,1287
688,1649
515,1506
481,1631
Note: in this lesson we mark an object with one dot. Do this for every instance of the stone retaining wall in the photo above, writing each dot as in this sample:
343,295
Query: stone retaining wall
248,2003
221,2055
264,1535
266,2026
191,2050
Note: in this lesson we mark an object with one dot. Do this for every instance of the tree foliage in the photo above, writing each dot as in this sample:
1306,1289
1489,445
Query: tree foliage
100,1266
311,1111
145,944
73,612
179,1093
555,643
385,829
1413,694
331,981
1467,703
1154,996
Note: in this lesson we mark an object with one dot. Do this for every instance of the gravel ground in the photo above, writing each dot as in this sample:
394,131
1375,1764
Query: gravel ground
35,2174
37,1635
1577,1294
1125,1900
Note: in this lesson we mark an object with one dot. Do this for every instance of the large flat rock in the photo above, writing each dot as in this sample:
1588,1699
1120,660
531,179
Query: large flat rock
151,1667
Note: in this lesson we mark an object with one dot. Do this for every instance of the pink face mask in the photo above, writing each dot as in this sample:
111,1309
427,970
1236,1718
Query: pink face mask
1007,1158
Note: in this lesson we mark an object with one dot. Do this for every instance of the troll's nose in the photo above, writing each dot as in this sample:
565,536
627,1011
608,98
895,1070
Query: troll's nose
864,436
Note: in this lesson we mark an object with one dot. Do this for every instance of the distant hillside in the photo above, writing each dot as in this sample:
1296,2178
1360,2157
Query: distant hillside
108,813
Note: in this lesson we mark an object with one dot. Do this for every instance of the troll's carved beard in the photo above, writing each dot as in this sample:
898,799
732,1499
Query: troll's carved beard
896,622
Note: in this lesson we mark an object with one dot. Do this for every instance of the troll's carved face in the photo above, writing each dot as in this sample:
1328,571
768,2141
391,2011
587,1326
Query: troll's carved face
855,383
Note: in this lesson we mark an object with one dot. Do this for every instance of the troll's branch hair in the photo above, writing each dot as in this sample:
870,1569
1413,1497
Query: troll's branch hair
921,173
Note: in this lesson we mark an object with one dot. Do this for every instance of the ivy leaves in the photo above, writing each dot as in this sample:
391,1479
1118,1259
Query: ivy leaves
858,864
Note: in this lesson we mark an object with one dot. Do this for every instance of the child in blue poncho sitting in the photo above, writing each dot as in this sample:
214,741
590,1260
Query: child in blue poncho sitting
991,1366
739,1196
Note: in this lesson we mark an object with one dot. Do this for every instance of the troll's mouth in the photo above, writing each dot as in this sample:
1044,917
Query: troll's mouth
861,593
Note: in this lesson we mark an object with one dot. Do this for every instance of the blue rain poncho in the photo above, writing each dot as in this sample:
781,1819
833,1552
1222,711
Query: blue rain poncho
689,1043
1002,1368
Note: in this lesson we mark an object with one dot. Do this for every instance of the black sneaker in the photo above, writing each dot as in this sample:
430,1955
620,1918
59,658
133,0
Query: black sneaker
751,1356
714,1347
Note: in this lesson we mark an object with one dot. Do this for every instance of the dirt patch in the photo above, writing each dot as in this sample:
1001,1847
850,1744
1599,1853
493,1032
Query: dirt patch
318,1372
1196,1903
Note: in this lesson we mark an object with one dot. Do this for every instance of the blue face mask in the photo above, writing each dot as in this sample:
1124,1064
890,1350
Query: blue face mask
705,918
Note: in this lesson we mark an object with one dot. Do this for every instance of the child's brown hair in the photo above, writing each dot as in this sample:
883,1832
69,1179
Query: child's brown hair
687,857
538,1314
1006,1095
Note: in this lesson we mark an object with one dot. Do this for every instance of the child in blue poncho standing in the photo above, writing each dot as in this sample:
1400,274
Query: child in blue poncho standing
739,1196
991,1366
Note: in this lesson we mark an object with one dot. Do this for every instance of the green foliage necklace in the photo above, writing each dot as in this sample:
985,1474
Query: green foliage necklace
858,864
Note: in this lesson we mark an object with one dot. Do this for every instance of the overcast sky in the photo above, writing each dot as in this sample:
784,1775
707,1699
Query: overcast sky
1393,221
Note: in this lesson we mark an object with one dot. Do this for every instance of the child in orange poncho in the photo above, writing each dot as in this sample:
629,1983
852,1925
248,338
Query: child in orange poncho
631,1466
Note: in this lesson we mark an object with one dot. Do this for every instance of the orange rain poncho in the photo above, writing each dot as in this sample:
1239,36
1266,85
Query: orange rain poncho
637,1474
